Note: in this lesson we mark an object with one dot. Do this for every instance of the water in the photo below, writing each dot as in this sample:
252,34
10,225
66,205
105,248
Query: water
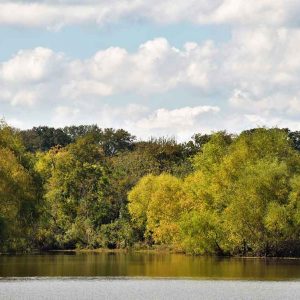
146,276
147,265
147,289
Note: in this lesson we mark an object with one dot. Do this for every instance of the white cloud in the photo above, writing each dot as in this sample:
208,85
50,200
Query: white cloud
24,97
180,123
156,67
63,113
31,65
15,122
182,118
55,14
279,103
258,66
141,120
252,78
31,76
82,88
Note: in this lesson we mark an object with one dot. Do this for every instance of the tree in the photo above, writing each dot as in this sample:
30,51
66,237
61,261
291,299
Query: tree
242,198
154,205
75,199
247,183
43,138
18,193
115,141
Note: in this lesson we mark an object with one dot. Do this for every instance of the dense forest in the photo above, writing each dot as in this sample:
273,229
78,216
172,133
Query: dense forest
87,187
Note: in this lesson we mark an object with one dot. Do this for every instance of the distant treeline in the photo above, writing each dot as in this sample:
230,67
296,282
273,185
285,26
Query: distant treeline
87,187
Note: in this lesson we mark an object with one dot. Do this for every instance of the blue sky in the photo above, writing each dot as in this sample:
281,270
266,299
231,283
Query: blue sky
84,41
154,68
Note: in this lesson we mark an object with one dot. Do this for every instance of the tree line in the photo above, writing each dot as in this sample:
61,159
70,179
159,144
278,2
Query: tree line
87,187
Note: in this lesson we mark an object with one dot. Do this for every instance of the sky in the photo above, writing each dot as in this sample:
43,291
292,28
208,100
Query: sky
155,68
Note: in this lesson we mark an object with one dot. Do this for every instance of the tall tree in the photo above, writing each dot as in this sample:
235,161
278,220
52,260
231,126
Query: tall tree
75,201
18,193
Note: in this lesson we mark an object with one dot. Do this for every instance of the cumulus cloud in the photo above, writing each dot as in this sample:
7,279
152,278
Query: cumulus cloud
252,79
29,76
58,13
156,67
182,118
142,121
180,122
31,65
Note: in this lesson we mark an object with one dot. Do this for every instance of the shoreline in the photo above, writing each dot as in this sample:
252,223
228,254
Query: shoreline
146,251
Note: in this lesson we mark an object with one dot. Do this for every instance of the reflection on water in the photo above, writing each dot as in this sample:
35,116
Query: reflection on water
148,265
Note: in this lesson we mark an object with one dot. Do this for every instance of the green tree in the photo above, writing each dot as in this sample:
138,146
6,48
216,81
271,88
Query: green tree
154,205
247,184
18,193
43,138
75,200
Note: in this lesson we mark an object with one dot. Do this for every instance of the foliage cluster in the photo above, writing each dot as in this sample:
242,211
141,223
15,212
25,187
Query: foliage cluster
242,198
86,187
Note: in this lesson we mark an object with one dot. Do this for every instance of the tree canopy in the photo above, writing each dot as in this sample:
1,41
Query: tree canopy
88,187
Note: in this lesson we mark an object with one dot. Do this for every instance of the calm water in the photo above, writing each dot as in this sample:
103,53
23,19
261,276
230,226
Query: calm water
147,265
147,289
146,276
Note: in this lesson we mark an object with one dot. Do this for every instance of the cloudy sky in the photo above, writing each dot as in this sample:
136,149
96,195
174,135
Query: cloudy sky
172,67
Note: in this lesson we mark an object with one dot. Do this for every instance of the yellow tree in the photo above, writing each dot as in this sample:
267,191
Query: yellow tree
154,203
18,194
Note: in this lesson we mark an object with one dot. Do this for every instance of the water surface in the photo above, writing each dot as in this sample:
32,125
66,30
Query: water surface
152,265
147,289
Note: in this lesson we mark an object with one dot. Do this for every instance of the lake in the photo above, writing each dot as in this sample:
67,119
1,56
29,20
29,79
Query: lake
140,264
133,275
